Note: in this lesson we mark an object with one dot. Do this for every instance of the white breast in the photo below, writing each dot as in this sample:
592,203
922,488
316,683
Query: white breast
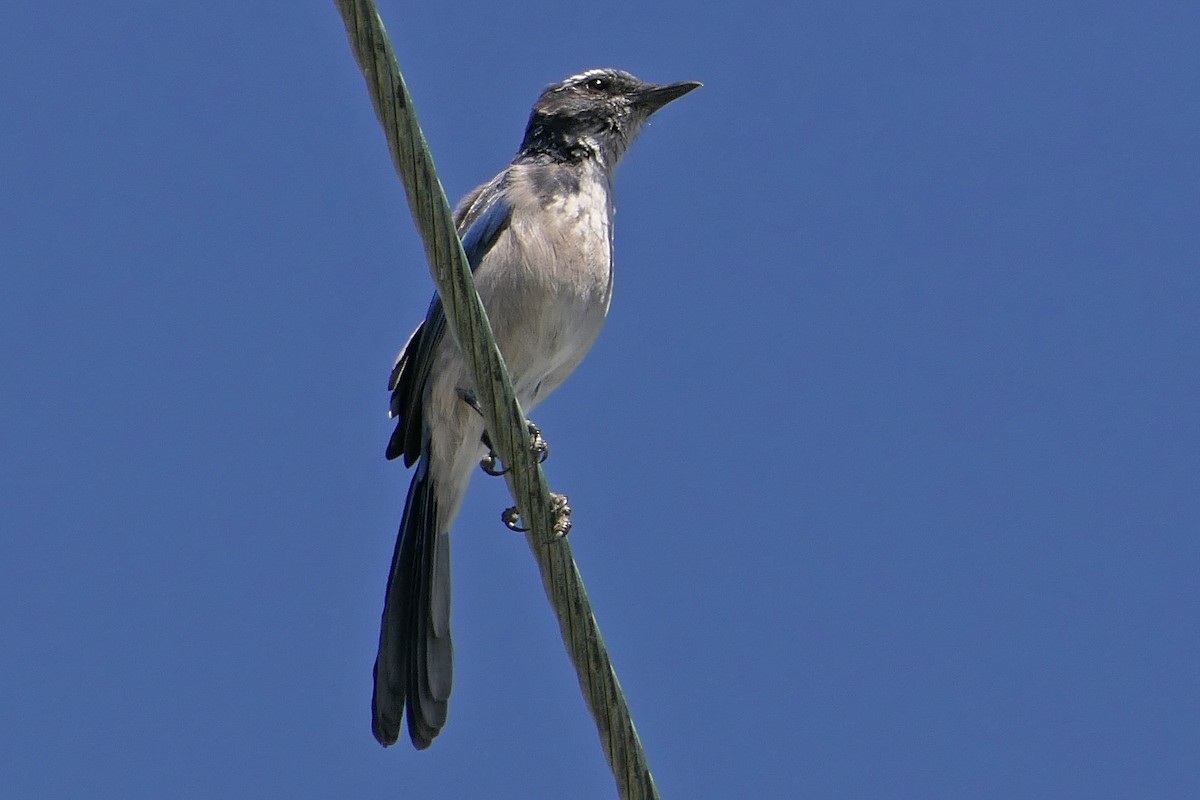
586,219
561,286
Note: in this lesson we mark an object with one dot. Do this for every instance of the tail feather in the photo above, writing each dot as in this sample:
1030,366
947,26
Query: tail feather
414,668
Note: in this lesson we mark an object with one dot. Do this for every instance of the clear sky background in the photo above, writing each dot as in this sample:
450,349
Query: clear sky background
886,469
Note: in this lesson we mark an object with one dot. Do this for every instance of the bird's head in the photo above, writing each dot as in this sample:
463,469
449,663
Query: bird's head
595,114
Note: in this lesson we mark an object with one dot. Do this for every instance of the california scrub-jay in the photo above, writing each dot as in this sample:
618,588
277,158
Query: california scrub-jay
539,240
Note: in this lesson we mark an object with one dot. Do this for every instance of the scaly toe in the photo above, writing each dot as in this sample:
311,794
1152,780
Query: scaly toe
489,465
538,445
562,514
511,518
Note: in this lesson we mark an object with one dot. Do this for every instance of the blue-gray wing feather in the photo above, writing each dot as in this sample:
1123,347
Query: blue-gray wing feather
480,219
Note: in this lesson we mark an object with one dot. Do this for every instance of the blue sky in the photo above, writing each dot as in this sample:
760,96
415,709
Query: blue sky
884,469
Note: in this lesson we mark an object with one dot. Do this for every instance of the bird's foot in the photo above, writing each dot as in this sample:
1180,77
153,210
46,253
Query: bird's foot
491,462
558,507
511,517
562,515
538,446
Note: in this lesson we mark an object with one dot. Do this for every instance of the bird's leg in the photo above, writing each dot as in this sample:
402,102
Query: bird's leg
558,507
490,462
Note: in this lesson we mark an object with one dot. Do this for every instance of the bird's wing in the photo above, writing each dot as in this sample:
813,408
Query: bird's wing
480,219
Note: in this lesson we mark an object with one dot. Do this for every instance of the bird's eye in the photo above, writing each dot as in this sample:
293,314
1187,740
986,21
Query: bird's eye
599,84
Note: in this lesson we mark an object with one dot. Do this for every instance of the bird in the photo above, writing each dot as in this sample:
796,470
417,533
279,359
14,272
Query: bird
539,241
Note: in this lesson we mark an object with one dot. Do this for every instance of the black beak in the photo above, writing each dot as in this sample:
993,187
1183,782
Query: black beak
653,97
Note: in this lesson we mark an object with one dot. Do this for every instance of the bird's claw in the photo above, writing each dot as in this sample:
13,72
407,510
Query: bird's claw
558,507
562,515
538,446
511,518
489,464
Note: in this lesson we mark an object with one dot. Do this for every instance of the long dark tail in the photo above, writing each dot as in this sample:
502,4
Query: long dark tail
415,665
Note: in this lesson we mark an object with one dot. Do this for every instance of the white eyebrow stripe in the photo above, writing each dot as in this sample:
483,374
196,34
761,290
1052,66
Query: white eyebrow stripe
591,73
